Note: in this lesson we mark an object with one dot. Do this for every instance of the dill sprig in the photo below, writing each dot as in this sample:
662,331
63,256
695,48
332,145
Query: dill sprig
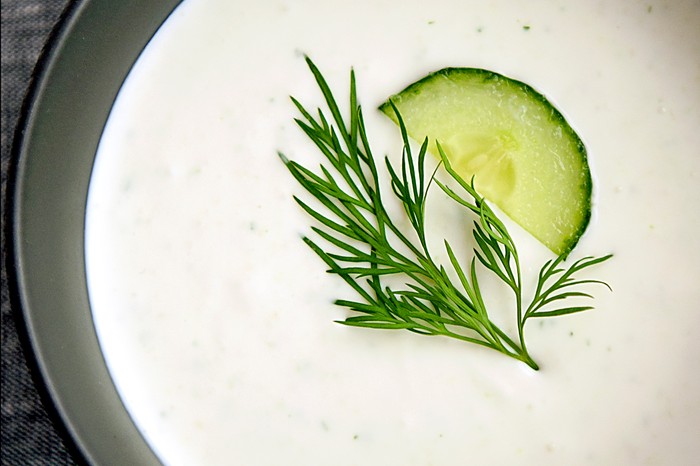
367,245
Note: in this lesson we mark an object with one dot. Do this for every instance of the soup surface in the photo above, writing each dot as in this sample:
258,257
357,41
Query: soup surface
217,322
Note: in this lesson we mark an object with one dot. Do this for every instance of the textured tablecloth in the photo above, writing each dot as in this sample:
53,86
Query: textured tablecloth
31,433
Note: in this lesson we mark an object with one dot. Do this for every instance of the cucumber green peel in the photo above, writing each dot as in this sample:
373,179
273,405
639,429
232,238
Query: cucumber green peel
523,155
363,242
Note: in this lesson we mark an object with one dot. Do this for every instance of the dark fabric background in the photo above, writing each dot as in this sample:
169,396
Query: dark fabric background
31,432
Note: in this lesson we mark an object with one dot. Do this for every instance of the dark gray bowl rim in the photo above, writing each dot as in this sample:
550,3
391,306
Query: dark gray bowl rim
74,84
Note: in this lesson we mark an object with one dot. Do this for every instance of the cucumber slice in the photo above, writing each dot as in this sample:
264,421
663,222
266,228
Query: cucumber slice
523,155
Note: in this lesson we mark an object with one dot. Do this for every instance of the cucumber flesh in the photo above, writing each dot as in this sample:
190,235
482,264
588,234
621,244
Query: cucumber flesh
523,155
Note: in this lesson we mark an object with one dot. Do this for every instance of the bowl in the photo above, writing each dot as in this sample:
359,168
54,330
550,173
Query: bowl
593,361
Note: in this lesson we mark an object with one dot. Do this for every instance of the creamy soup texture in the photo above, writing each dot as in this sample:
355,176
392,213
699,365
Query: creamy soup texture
217,322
